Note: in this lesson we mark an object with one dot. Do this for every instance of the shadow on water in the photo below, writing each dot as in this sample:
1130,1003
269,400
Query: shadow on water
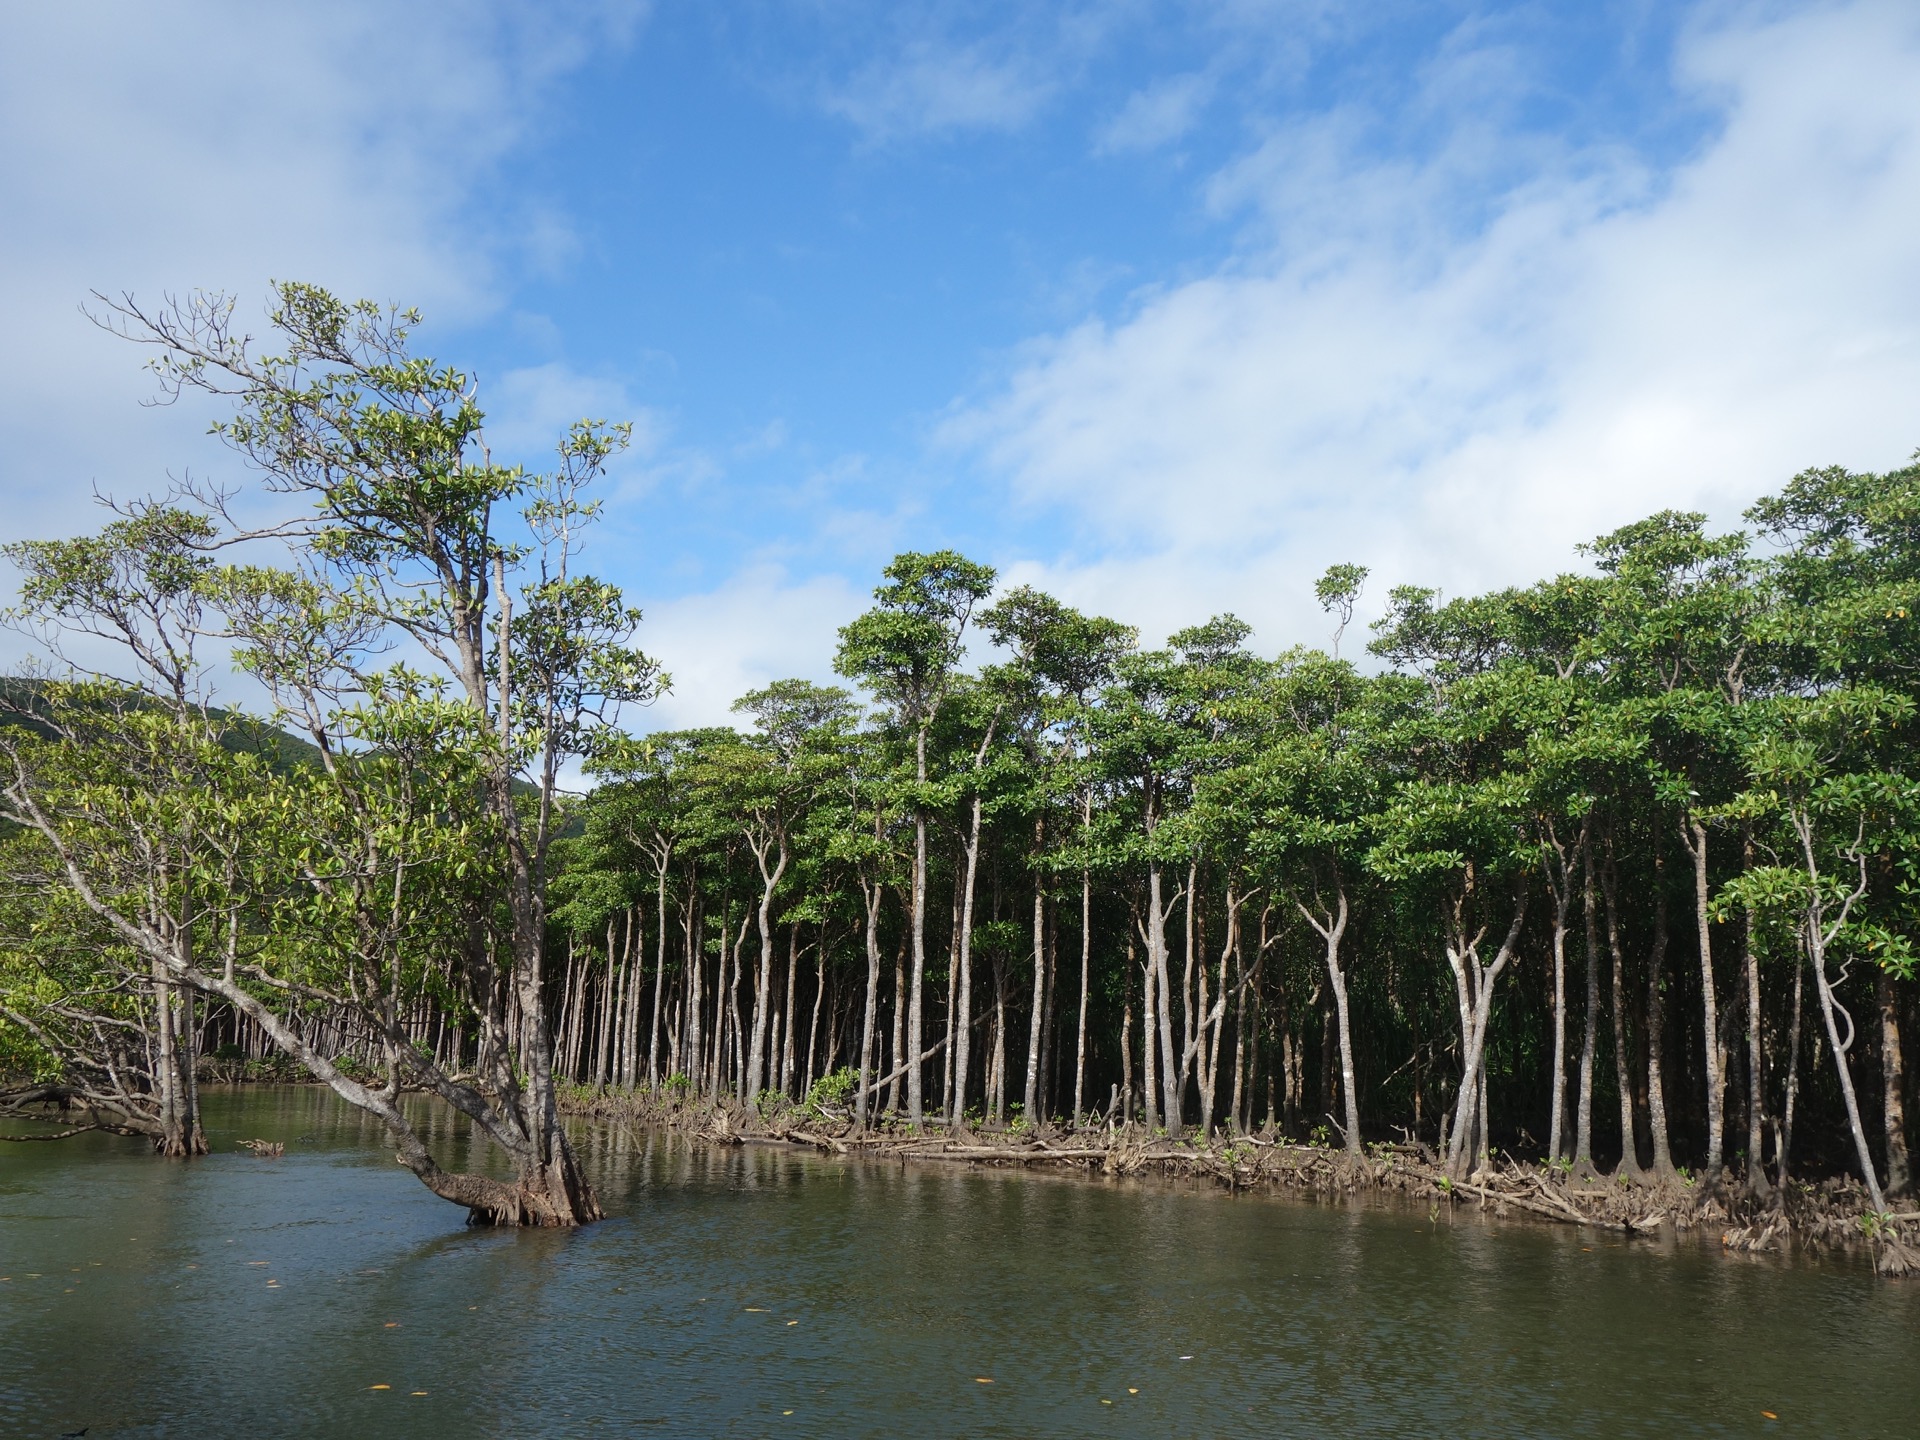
763,1291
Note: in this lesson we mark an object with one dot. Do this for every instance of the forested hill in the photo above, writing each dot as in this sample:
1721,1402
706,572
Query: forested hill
25,705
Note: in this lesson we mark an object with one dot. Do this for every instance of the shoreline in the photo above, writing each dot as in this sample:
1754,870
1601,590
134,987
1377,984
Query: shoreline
1809,1220
1812,1219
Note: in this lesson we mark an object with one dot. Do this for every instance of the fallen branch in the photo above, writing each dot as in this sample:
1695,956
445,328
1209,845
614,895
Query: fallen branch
1503,1198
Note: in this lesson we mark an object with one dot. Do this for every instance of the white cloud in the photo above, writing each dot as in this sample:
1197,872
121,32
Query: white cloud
932,87
530,410
760,626
164,147
1157,115
1375,380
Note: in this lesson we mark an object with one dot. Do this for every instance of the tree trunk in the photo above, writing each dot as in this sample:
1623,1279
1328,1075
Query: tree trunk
1086,972
786,1038
1161,1015
1694,834
1049,1067
1558,1096
1186,1047
659,981
1893,1078
1583,1117
1622,1055
1475,981
962,1044
636,987
694,1061
1248,988
1756,1070
1830,1012
172,1067
1331,933
899,1028
871,892
756,1074
1656,1033
610,996
1031,1102
568,980
945,1108
916,1075
819,999
1149,1019
1126,1037
997,1102
1783,1150
738,1031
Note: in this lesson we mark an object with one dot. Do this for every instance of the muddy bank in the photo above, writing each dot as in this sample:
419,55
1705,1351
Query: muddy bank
1832,1216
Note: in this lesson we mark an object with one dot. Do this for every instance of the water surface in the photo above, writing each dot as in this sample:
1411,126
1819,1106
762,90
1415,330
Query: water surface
770,1292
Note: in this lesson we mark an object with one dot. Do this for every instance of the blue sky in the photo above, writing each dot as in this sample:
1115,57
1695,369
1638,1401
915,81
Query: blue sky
1164,306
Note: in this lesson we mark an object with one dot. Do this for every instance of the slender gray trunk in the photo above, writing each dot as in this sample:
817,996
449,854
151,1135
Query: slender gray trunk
786,1038
1332,930
659,979
1622,1057
871,892
813,1026
1784,1150
1161,1014
1038,1017
916,1021
1583,1117
1086,972
1893,1080
1817,935
962,1027
1694,833
756,1072
1656,1032
1475,981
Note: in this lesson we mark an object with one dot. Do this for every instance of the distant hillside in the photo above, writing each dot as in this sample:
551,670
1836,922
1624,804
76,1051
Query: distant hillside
244,734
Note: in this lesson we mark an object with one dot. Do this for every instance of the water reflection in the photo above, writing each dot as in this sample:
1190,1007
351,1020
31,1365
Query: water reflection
253,1297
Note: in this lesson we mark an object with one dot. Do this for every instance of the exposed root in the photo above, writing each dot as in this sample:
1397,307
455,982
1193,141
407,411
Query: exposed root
1894,1257
62,1105
1813,1219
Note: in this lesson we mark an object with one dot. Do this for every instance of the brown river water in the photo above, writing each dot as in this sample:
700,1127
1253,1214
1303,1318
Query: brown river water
770,1292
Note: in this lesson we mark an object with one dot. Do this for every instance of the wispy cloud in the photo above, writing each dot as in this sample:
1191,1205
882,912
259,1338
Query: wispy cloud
1456,385
1157,115
530,410
931,87
261,142
762,624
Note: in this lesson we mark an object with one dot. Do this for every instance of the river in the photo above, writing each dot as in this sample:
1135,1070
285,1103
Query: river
764,1291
